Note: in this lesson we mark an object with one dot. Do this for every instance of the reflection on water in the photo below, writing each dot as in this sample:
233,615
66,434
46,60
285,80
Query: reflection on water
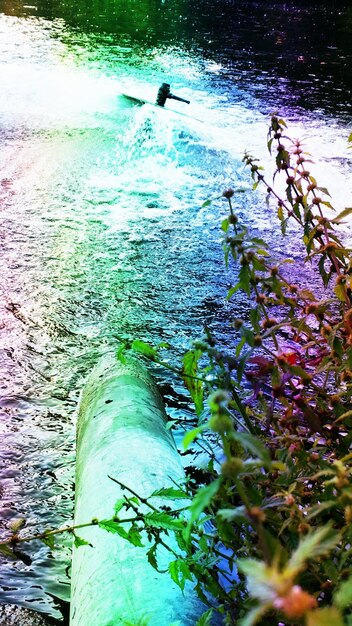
102,226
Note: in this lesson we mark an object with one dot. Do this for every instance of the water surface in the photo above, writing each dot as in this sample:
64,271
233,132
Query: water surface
103,232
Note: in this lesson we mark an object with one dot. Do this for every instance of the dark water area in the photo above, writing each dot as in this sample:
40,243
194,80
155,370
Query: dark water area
103,226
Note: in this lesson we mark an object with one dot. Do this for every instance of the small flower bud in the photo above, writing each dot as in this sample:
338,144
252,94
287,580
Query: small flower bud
232,467
269,323
304,528
296,603
311,186
257,514
311,308
221,424
261,298
341,280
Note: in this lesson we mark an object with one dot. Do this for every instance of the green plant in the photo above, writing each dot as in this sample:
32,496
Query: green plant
276,502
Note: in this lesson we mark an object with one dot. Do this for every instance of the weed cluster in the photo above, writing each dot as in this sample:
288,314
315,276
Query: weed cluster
269,535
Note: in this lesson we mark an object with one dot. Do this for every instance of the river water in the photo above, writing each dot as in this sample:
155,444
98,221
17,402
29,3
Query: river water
103,232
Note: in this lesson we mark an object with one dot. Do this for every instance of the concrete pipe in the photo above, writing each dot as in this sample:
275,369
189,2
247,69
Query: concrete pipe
121,433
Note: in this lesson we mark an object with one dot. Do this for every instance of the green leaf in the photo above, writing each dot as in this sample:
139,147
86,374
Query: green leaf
248,335
262,252
206,203
232,291
254,445
113,527
254,316
181,541
135,537
239,347
242,362
315,544
203,498
159,519
151,556
5,550
230,515
259,242
243,279
344,416
342,215
144,348
16,524
81,542
193,384
322,189
321,265
258,584
284,226
321,507
164,345
328,616
307,295
180,572
121,502
205,619
169,492
343,596
49,541
120,354
340,291
225,225
191,435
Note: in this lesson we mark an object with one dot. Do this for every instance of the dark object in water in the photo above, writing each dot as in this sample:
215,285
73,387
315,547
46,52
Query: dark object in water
164,93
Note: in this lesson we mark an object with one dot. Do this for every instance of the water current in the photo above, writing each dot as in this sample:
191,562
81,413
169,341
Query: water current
102,227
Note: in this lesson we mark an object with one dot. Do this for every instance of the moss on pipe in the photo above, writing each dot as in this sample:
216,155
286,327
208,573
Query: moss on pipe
121,432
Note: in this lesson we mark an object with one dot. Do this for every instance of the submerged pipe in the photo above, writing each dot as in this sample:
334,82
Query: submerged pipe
122,432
